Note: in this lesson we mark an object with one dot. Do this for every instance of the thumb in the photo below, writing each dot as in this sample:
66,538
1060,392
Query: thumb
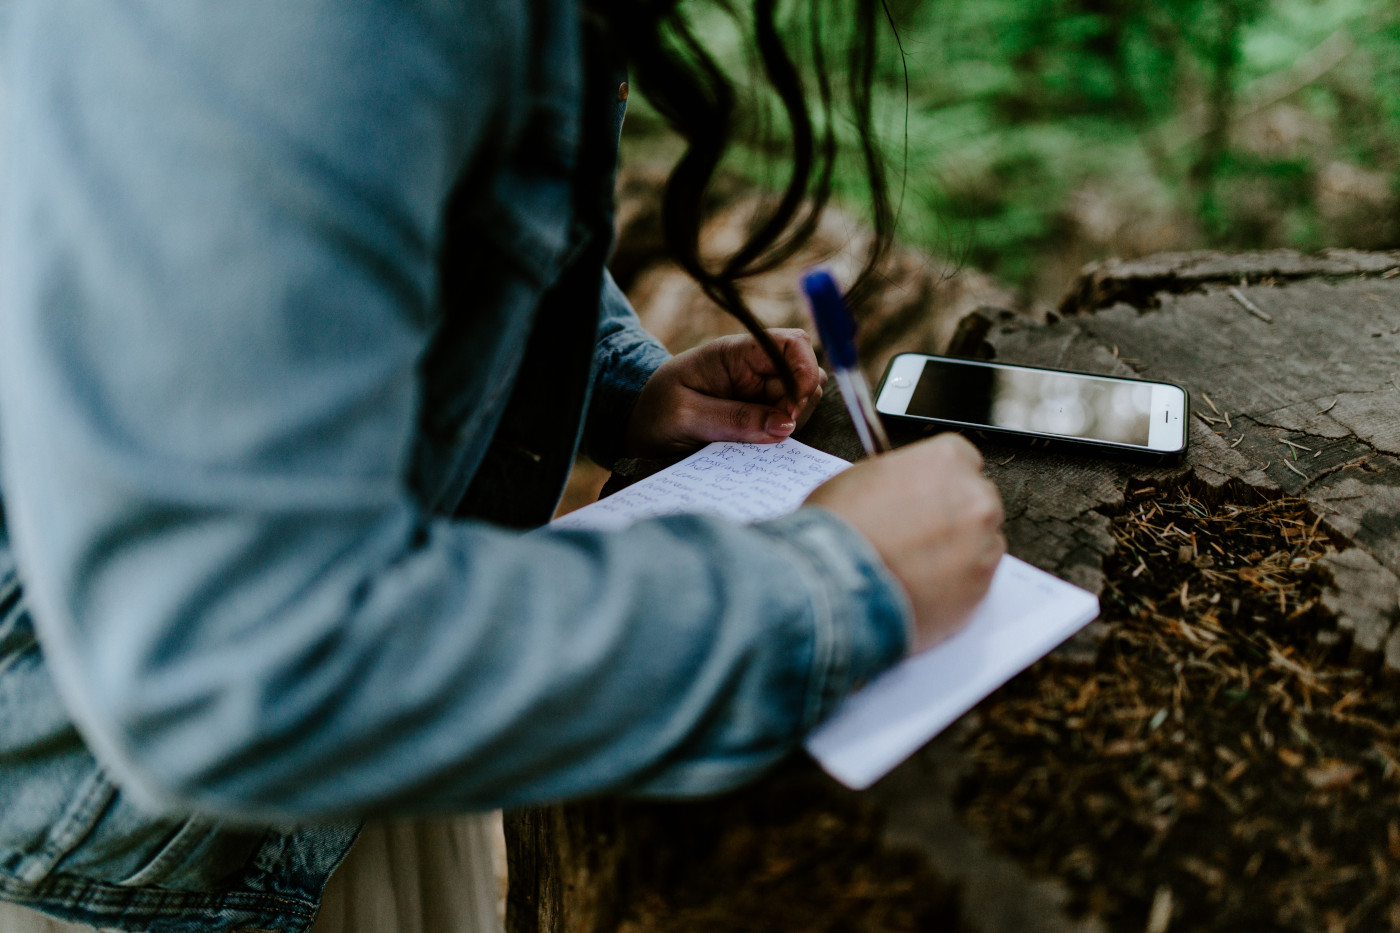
714,419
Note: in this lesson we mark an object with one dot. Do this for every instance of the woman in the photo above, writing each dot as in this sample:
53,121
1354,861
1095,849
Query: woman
304,317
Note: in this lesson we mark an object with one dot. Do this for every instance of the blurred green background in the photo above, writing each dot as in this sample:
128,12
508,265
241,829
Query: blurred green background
1042,134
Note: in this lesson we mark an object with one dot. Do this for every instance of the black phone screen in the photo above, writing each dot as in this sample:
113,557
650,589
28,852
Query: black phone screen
1034,401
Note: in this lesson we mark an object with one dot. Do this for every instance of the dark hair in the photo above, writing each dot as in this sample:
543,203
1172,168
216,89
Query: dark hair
690,90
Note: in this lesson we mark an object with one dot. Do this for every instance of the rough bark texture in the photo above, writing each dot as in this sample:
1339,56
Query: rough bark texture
1292,363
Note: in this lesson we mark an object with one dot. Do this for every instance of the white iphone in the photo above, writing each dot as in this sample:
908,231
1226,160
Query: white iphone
1109,413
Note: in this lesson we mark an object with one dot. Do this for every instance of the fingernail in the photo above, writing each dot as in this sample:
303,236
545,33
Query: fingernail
780,424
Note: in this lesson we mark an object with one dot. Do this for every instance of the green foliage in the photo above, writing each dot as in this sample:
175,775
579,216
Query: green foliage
1183,123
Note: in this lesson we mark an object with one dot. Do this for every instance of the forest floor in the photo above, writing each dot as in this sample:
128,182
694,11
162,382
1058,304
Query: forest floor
1220,767
1223,766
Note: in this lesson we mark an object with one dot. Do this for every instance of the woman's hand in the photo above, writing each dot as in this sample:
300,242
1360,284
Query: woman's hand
934,519
725,390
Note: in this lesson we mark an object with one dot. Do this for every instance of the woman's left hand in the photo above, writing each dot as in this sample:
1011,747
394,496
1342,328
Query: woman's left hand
725,390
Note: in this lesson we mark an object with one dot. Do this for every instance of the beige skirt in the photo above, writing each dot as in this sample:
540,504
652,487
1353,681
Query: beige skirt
406,876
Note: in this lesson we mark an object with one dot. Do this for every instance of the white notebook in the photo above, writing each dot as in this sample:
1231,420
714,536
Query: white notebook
1026,613
743,482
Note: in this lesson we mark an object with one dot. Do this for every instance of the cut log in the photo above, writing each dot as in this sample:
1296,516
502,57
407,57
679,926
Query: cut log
1303,400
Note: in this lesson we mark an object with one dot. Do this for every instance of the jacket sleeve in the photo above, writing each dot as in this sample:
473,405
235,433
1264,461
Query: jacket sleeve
216,279
625,359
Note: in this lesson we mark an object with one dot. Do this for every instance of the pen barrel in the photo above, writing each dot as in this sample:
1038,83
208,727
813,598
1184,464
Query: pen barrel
835,326
855,392
837,330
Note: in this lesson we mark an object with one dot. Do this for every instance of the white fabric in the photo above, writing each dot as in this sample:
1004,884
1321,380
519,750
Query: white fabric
406,876
17,919
416,876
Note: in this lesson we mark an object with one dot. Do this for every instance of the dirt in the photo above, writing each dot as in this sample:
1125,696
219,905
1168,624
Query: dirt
1221,766
787,855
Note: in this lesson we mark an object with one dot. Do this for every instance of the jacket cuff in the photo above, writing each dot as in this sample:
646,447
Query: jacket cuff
862,619
625,362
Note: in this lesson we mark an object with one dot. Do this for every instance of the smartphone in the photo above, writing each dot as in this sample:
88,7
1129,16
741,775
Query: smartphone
1107,413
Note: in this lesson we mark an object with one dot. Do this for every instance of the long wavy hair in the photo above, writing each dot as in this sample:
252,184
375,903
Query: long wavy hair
683,80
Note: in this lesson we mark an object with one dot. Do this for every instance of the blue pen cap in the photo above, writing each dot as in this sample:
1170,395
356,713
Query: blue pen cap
835,326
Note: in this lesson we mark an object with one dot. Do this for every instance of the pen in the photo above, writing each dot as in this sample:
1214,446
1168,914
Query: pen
837,330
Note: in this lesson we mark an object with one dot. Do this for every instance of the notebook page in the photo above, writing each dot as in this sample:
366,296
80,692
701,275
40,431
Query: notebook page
742,482
1026,613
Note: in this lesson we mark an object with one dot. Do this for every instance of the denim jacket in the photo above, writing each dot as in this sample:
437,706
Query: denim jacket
303,317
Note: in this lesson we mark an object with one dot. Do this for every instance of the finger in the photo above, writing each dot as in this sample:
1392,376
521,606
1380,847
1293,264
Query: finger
776,395
959,447
996,509
801,359
809,405
754,374
714,419
808,377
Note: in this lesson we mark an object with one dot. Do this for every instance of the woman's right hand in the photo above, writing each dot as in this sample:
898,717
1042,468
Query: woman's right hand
934,519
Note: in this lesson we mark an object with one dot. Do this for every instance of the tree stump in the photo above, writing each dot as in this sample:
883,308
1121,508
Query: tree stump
1219,751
